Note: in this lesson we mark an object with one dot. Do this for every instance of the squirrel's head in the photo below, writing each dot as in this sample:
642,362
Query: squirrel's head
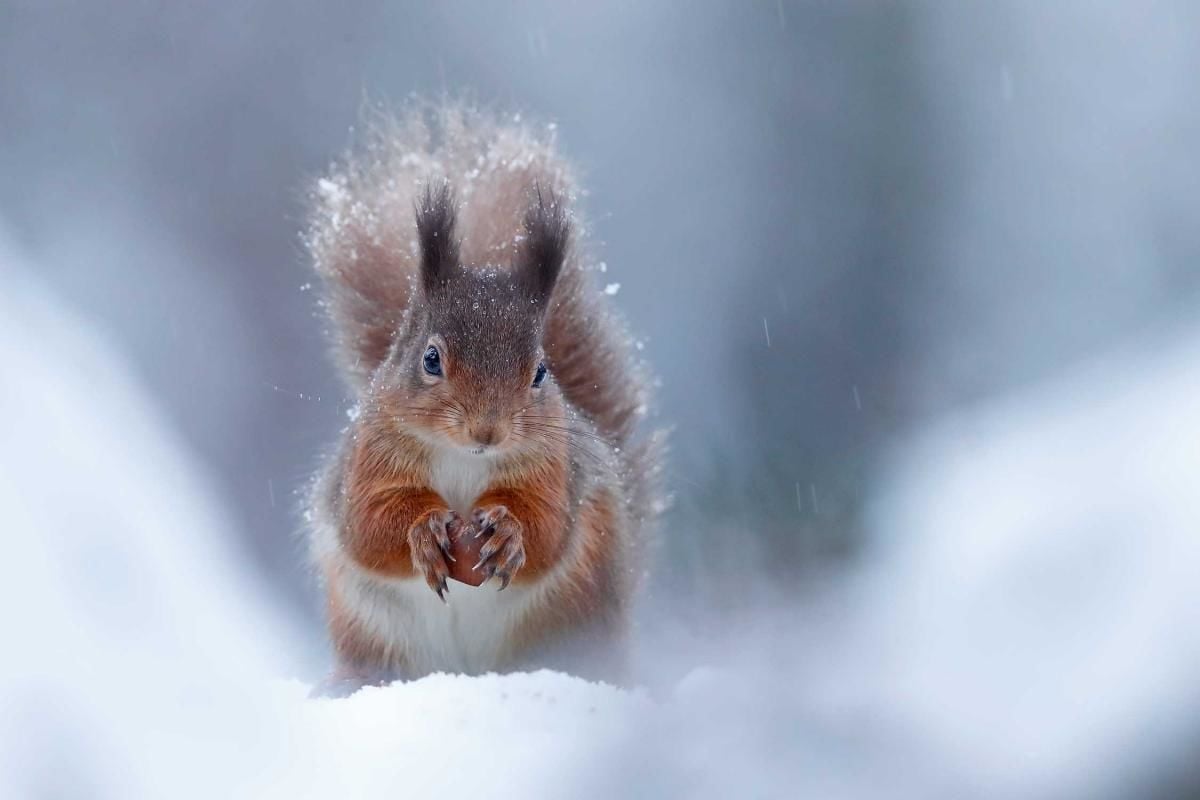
472,373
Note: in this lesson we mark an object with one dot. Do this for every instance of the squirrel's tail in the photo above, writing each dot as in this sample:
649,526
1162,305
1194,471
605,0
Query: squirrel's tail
645,490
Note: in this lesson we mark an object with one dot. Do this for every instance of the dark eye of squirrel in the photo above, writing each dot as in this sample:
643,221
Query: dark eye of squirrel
433,361
540,375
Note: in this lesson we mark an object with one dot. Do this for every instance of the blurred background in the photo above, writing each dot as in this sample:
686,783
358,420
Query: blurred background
837,225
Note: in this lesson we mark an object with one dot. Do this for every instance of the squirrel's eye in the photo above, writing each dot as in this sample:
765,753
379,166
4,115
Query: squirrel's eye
433,361
540,375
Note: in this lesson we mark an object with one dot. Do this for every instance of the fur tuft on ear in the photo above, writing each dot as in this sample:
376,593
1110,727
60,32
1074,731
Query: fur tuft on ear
547,239
436,217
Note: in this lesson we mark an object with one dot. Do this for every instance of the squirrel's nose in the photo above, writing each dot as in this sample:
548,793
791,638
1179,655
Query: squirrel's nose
488,434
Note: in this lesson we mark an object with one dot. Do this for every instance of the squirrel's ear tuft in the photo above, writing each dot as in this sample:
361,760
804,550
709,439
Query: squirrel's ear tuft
547,239
435,231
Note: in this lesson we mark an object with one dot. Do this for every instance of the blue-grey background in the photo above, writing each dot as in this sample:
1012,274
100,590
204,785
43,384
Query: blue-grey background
832,221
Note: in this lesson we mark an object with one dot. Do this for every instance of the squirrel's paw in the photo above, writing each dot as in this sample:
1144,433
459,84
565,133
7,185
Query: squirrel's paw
504,551
429,543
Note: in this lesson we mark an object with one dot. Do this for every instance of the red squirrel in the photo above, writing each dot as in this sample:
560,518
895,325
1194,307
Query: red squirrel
498,402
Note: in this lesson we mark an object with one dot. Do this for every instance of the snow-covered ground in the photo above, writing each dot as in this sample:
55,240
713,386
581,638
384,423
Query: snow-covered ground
1028,623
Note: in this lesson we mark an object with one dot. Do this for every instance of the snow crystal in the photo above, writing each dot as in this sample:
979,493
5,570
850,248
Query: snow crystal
612,288
332,191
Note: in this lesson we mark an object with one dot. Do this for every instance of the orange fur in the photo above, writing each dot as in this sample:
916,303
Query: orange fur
536,498
587,608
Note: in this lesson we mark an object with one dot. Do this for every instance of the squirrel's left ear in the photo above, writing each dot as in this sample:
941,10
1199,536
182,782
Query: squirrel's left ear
436,219
547,238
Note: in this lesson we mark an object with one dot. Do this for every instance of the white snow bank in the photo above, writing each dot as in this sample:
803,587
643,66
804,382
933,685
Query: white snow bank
1037,595
132,636
526,734
1027,624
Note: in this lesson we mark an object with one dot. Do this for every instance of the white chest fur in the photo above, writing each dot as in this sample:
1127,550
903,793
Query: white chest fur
469,632
460,477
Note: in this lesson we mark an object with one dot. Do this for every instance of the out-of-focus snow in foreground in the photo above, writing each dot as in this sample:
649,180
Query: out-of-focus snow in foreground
1027,624
1038,592
131,637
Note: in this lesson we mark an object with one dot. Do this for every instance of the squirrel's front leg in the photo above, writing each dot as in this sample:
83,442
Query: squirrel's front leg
403,531
520,532
503,554
429,544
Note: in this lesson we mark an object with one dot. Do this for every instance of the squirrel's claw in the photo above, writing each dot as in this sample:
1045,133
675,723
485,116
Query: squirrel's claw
504,553
514,561
486,519
443,536
444,546
429,542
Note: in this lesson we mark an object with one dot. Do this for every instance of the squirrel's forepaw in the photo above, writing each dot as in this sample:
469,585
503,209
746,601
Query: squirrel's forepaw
429,543
504,551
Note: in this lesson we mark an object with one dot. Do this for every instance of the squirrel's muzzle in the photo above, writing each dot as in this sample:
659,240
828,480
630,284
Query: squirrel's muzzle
488,434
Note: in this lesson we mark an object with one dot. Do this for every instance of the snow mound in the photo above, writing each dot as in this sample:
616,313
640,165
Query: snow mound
1037,591
459,736
133,635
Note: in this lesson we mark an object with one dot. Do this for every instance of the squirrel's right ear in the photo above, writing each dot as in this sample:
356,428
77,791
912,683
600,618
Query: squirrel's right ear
435,232
547,239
